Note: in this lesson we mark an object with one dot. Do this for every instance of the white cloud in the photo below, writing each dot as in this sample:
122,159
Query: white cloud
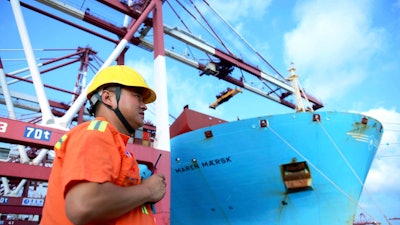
383,176
332,43
330,32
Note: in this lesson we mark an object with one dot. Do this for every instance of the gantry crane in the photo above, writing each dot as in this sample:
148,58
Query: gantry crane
364,221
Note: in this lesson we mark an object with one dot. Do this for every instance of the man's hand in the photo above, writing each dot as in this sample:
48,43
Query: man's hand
156,184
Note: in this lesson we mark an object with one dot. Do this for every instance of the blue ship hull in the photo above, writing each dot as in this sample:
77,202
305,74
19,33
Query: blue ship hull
231,173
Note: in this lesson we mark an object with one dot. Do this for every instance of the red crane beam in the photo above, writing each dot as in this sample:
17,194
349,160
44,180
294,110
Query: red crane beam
21,205
18,132
20,170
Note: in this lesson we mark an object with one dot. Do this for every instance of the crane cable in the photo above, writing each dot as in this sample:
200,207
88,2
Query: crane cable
209,30
195,18
213,31
243,40
177,15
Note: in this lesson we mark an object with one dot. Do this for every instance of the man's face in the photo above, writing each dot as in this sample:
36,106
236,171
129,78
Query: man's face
132,106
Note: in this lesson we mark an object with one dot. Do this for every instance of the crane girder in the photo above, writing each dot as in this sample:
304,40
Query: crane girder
280,86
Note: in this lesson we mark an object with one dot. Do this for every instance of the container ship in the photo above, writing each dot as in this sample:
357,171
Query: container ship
297,168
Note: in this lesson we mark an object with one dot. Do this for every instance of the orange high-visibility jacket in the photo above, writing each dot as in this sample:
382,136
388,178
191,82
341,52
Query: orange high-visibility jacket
94,152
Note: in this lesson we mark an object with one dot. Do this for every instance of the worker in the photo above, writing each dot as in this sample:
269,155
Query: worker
94,179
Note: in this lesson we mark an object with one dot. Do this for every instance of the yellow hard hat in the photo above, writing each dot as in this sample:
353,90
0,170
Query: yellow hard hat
124,75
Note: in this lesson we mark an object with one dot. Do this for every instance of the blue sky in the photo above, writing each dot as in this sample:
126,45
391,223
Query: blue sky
347,54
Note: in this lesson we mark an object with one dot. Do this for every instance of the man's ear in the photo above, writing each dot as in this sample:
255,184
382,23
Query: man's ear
107,98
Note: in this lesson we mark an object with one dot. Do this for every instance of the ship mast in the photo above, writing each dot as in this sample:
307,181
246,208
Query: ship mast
298,92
